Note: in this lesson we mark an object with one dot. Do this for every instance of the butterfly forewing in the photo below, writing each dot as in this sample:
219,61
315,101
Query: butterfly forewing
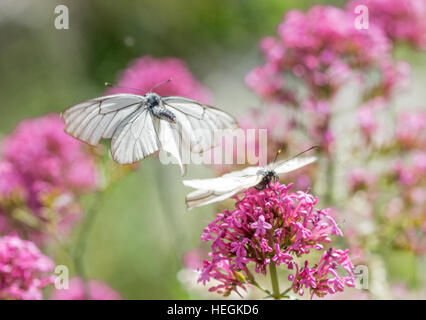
285,166
99,118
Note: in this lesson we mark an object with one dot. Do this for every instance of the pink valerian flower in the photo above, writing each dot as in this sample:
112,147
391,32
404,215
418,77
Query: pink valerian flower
321,47
10,181
360,179
367,117
273,226
313,56
261,226
146,72
96,290
24,270
50,168
411,129
323,278
45,155
408,174
402,20
265,81
277,125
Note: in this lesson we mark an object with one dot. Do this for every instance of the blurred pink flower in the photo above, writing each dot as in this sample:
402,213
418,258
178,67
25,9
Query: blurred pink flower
274,225
49,167
402,20
278,128
22,269
146,72
321,47
367,117
411,129
360,179
97,290
265,81
10,180
192,259
48,157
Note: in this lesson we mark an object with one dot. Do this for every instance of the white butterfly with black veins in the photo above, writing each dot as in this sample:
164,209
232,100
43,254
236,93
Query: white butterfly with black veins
221,188
141,125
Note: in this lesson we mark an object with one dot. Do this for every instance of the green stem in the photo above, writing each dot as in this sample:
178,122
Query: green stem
330,180
285,292
274,279
82,240
254,283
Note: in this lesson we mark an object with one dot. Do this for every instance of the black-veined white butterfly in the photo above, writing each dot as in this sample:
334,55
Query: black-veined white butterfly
221,188
141,125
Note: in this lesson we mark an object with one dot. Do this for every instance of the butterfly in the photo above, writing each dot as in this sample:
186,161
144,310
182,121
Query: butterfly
221,188
142,125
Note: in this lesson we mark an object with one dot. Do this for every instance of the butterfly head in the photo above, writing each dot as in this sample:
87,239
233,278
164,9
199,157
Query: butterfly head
152,99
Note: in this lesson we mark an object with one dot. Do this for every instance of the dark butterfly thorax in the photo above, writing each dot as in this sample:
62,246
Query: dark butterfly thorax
155,105
268,177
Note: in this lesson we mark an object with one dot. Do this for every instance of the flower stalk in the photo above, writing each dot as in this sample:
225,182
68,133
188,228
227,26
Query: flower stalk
274,280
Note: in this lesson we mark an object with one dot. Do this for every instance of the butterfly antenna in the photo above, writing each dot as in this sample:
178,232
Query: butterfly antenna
161,83
109,84
277,154
304,151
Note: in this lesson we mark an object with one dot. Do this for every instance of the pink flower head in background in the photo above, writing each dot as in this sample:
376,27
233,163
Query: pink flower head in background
278,128
402,20
360,179
275,226
321,48
411,129
367,117
49,167
10,180
23,269
97,290
48,157
146,72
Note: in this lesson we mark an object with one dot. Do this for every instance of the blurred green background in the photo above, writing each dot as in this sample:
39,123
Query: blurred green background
142,227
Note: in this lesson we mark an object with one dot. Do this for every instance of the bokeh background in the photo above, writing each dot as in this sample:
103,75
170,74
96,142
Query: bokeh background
142,228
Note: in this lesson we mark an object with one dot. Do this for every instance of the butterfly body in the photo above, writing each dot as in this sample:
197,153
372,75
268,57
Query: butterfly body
268,176
154,104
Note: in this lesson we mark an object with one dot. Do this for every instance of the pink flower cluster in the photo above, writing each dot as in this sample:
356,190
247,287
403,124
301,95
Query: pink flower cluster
23,269
146,72
275,226
278,129
97,290
411,130
320,48
314,55
402,20
360,179
43,167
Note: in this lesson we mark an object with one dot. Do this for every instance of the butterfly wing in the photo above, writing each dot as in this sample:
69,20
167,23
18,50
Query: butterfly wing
199,122
218,189
171,141
135,138
98,118
285,166
225,188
